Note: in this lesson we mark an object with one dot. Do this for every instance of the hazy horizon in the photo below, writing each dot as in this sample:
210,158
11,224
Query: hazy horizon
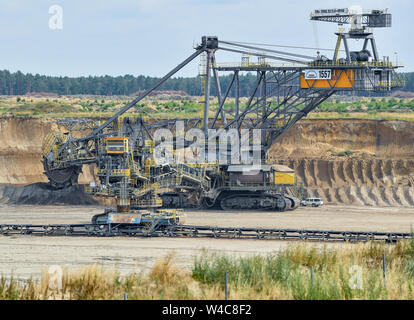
150,37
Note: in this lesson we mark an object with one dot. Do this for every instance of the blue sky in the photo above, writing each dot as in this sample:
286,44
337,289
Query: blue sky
150,37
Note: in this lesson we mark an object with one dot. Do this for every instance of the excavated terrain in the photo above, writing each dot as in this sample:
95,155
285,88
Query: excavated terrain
376,170
21,172
359,162
21,151
41,194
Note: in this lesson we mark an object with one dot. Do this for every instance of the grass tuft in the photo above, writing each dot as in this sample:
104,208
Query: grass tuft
340,272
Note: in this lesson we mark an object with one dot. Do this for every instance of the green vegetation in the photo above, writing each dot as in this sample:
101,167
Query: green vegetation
363,115
347,152
350,271
21,84
371,106
409,78
287,274
84,107
190,107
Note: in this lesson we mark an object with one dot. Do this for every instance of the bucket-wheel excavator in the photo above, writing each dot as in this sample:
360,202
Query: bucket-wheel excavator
144,163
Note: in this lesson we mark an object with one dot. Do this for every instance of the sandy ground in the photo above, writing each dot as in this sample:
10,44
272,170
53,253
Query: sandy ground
25,256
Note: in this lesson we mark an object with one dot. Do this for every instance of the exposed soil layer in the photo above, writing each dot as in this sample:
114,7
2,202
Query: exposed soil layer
373,182
361,162
381,139
21,150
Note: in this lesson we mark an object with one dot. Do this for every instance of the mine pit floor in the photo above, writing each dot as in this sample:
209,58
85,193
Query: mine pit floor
25,257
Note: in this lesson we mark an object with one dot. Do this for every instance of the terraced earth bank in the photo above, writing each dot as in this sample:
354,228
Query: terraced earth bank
21,151
21,172
360,162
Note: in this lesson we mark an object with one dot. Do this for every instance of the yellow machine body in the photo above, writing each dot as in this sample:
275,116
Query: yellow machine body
116,145
283,175
341,79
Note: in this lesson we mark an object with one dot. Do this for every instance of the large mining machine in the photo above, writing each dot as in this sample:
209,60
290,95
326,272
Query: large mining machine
139,163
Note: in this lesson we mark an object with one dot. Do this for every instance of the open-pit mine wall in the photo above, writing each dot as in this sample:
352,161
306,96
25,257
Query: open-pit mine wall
363,162
21,151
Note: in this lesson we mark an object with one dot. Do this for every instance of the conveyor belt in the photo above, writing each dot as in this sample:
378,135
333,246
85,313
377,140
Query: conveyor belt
95,230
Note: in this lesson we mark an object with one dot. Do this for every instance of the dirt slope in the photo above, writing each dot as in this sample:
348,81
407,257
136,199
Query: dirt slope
363,162
379,168
320,138
21,150
41,194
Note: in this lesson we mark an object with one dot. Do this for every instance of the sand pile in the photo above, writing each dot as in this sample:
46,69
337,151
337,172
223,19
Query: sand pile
42,194
21,151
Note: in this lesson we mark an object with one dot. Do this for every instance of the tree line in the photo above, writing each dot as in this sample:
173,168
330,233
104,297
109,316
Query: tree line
19,83
409,78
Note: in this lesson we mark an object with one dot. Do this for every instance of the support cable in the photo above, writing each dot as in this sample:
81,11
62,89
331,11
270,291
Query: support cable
264,55
268,50
282,46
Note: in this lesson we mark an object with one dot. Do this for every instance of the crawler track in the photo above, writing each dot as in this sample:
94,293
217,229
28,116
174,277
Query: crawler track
176,231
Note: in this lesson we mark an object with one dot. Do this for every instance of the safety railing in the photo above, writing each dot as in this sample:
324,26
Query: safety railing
238,183
248,64
114,172
372,64
154,202
196,171
98,190
392,84
359,64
